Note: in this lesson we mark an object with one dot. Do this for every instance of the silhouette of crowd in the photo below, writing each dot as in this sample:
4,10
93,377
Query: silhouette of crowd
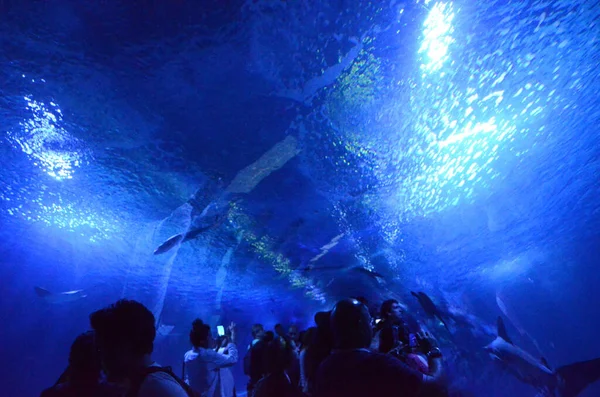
346,353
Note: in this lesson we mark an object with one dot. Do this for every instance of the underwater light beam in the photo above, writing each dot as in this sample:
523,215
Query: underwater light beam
437,34
459,132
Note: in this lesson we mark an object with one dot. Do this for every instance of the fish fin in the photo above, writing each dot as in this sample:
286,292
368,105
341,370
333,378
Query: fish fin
414,294
423,297
42,292
502,331
545,362
578,376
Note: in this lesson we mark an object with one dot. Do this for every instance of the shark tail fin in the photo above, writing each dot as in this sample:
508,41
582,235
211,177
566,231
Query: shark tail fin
578,376
42,292
502,330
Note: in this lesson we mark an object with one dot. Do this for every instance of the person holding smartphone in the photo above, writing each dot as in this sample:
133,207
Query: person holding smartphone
223,342
202,364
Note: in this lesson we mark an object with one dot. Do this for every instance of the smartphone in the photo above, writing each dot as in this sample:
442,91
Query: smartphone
220,330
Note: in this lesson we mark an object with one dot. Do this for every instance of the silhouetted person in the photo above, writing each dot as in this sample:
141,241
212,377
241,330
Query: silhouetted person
307,341
253,361
318,350
83,376
353,370
294,335
124,336
275,382
294,369
394,331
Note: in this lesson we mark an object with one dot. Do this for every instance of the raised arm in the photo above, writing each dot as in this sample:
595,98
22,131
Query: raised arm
433,381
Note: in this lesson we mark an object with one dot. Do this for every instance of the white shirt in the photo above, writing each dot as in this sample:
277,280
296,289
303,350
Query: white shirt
303,382
161,384
202,370
227,380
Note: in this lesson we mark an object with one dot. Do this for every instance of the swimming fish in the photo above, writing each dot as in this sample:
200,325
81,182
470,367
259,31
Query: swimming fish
429,307
212,216
514,321
244,182
371,273
60,297
566,381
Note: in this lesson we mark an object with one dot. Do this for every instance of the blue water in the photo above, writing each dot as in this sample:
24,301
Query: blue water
450,146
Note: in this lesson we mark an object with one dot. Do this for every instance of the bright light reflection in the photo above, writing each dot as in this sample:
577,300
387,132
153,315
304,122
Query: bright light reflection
51,210
437,37
459,131
48,145
510,268
52,149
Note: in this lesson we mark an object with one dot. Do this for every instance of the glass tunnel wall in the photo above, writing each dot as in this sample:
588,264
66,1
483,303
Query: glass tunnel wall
314,152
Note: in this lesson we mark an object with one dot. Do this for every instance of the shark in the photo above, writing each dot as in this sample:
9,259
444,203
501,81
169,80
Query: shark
60,297
430,308
213,215
566,381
